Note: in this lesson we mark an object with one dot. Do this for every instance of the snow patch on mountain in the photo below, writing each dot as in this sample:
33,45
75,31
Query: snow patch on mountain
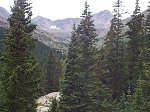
54,27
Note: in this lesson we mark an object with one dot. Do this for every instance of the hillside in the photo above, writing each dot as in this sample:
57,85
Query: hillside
40,50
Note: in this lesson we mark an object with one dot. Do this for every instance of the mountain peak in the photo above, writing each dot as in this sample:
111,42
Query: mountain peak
4,13
38,18
104,15
44,23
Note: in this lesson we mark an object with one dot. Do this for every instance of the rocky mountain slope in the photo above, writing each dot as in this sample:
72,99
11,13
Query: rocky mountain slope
4,14
61,29
101,21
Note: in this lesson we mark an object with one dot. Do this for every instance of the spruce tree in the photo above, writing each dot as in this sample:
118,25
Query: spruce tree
146,39
53,73
138,99
93,89
146,57
145,85
114,54
71,88
81,89
21,74
133,101
135,35
145,80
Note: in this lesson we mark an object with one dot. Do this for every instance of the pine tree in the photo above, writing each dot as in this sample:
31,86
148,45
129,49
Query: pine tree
135,35
139,99
146,55
104,99
126,103
114,54
71,88
145,85
132,102
145,80
21,74
94,92
53,73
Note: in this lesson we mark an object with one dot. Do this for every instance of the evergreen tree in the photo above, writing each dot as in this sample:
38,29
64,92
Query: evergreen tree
126,103
145,85
138,99
21,74
114,54
134,101
93,90
53,73
146,55
135,35
145,80
80,81
104,99
71,88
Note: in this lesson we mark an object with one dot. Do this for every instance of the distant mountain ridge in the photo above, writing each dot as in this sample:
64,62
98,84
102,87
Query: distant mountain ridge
101,20
57,33
60,30
4,14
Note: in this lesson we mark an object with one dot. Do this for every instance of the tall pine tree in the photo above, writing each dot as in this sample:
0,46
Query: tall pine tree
145,79
71,88
93,90
80,85
114,54
135,35
21,74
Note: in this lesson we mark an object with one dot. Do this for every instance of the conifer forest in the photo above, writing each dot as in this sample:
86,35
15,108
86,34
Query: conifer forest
111,77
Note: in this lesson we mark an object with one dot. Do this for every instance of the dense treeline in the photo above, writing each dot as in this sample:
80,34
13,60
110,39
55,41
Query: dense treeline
112,78
120,66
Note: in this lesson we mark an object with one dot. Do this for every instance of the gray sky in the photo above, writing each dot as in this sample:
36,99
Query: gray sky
59,9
